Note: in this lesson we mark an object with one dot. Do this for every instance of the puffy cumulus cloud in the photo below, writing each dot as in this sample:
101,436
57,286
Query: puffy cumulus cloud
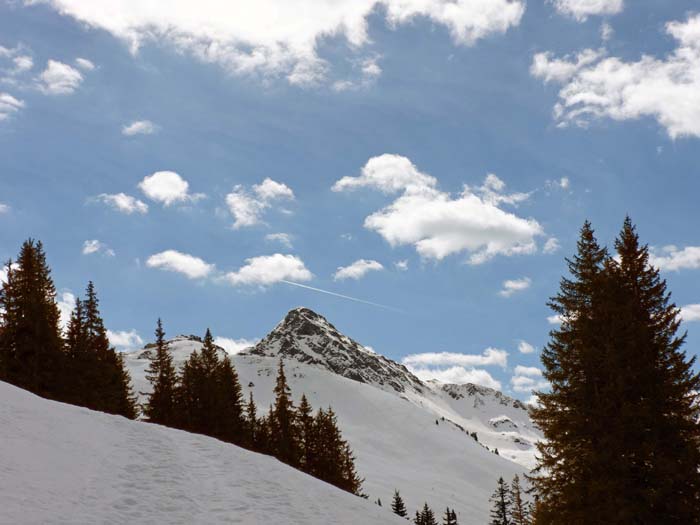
284,239
555,319
266,270
357,270
525,348
189,265
675,259
276,38
459,375
248,207
438,224
512,286
690,313
489,357
551,246
124,340
527,378
167,187
93,246
59,78
123,203
9,105
139,127
234,346
582,9
666,89
65,302
84,64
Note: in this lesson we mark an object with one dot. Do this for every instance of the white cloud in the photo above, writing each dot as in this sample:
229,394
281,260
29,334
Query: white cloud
167,187
94,246
283,238
675,259
357,270
3,272
247,207
66,303
171,260
123,203
489,357
530,371
139,127
59,78
555,319
276,38
666,89
606,31
85,64
690,313
551,246
512,286
401,265
437,224
124,340
9,105
525,348
457,375
582,9
23,63
266,270
234,346
4,208
527,379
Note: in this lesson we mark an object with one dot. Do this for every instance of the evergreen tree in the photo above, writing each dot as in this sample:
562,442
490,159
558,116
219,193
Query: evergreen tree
397,505
230,412
425,516
251,424
160,407
450,517
30,341
500,511
305,431
519,513
284,442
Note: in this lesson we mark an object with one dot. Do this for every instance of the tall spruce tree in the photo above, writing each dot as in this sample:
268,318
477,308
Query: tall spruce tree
251,423
30,340
450,517
230,403
425,516
501,504
520,514
283,436
305,432
398,507
568,415
160,407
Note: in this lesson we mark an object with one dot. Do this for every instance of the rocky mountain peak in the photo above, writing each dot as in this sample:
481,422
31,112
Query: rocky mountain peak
309,338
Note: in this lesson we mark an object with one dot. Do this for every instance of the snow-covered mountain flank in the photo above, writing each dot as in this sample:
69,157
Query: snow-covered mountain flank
65,464
410,435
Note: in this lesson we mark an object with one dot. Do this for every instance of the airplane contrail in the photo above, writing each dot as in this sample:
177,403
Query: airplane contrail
342,296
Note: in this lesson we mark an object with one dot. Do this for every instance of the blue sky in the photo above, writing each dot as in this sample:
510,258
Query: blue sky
444,154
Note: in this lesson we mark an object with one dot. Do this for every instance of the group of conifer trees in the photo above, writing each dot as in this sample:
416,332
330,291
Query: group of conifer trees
78,367
622,438
509,506
424,515
205,397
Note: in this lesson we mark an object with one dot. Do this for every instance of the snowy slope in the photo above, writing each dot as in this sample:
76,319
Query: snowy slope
65,464
388,415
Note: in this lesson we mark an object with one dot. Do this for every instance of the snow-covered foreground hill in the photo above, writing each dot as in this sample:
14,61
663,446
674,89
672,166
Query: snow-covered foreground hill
65,464
393,421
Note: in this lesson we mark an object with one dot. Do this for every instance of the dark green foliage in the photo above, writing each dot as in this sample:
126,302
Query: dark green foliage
31,349
251,425
450,517
425,516
306,432
501,504
621,420
160,407
282,419
397,505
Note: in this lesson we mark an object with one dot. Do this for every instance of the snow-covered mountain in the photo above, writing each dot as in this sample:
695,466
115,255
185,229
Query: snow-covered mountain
65,464
408,434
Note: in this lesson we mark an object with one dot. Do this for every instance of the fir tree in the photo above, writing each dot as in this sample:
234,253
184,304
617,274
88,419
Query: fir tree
501,505
425,516
30,341
283,436
160,407
305,431
397,505
450,517
230,403
519,513
251,423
